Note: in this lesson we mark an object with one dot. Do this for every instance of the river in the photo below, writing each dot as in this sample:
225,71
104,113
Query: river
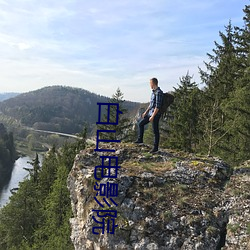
18,174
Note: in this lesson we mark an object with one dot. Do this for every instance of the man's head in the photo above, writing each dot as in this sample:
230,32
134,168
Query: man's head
153,83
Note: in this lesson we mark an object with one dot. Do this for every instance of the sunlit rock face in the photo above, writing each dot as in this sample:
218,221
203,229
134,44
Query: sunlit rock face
169,200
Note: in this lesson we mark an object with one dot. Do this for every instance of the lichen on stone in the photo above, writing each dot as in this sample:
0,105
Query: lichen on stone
167,200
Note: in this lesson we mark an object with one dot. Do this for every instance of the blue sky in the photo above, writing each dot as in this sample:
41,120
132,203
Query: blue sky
100,45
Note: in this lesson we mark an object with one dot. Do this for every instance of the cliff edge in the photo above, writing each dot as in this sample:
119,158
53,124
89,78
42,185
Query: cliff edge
168,200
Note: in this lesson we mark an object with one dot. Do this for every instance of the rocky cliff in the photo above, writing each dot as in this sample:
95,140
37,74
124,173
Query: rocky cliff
167,200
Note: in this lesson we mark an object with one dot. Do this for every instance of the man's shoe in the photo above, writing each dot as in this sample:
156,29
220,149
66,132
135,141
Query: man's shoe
138,141
154,150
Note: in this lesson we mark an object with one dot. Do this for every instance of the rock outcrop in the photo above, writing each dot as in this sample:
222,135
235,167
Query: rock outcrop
166,201
236,200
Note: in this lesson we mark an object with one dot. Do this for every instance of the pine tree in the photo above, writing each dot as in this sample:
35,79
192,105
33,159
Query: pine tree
122,128
20,217
81,143
221,70
220,80
242,38
34,172
183,128
237,106
48,171
55,231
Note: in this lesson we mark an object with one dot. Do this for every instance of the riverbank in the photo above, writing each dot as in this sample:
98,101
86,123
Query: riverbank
18,174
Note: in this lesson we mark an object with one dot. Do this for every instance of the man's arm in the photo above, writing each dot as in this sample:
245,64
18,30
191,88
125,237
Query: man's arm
145,112
156,110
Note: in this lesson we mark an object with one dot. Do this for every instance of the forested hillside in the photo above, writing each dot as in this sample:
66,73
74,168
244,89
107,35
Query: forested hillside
57,108
5,96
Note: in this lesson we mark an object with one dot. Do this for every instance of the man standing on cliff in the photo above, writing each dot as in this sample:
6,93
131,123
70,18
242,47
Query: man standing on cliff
152,114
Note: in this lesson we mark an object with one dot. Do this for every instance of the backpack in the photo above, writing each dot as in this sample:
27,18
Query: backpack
167,100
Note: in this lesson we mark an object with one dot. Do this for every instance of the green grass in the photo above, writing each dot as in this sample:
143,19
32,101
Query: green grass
248,228
233,227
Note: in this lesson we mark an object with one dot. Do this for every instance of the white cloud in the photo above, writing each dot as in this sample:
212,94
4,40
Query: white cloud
23,46
100,45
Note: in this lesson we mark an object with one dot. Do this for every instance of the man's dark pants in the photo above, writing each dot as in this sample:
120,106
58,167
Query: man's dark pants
155,126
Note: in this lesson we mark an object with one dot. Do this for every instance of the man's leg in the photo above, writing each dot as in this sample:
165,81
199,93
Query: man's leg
156,131
141,125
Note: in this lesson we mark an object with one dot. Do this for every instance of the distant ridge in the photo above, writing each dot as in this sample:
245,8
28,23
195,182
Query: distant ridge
7,95
57,108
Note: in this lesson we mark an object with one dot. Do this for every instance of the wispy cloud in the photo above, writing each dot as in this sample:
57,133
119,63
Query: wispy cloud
100,45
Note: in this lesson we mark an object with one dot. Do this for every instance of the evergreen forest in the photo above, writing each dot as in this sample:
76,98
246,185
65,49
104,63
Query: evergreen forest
37,216
215,120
